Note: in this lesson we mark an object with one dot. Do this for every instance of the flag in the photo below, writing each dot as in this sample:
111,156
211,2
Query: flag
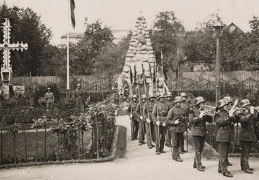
72,8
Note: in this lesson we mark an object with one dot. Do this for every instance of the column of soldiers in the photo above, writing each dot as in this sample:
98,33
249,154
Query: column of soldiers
166,121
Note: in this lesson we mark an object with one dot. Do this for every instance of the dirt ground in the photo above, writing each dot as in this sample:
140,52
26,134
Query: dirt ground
139,163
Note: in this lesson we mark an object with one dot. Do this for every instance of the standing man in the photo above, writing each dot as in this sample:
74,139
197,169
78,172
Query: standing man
185,105
133,117
224,121
198,131
246,134
168,137
77,96
159,114
140,111
147,113
49,98
175,120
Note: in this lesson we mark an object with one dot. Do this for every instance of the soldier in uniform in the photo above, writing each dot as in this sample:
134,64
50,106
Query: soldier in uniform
133,117
175,121
198,121
246,134
77,96
232,128
224,121
186,107
168,137
159,114
49,98
140,111
149,123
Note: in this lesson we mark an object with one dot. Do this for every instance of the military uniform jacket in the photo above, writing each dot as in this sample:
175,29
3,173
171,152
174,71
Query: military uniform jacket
247,130
132,109
77,93
147,110
176,113
198,125
225,126
160,112
185,105
139,110
49,97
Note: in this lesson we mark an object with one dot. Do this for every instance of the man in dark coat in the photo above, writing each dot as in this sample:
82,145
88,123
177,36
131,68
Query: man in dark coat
198,121
185,105
168,137
224,121
149,122
175,121
140,111
246,134
159,114
133,117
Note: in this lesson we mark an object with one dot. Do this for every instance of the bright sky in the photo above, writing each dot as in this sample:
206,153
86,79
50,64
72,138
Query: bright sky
122,14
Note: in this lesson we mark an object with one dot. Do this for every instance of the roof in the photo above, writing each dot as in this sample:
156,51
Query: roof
234,27
73,35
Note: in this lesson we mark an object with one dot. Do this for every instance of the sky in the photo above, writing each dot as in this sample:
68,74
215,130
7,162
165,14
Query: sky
122,14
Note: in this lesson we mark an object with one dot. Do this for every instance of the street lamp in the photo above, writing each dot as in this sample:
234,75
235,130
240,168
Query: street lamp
218,26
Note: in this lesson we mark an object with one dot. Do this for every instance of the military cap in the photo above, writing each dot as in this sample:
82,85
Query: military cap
183,94
244,103
221,103
177,99
199,100
143,96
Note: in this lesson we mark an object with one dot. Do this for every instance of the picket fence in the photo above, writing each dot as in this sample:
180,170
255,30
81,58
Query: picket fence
186,81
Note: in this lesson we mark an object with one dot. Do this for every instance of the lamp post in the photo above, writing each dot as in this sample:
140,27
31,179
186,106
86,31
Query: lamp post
218,27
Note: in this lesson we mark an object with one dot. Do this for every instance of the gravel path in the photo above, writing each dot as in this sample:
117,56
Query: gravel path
139,163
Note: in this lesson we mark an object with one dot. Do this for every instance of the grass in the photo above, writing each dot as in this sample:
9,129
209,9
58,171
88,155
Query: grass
33,154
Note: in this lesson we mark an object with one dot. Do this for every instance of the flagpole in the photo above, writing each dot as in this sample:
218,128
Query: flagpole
68,20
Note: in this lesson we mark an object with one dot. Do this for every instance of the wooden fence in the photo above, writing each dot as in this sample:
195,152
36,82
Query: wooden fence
88,83
206,80
187,81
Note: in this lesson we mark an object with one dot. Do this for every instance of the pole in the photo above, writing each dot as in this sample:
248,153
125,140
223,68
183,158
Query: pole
68,8
217,66
178,67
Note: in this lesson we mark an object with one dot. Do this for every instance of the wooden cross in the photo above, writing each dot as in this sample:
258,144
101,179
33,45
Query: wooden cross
7,46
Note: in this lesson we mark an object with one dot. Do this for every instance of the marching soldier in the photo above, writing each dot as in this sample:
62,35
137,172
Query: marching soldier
140,111
175,120
232,128
77,96
186,107
168,137
49,98
224,121
159,114
198,130
133,117
149,122
246,134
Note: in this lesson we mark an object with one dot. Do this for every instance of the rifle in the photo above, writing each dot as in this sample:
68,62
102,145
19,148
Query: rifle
158,126
141,114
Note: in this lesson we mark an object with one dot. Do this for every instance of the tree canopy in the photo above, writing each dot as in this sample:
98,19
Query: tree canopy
28,28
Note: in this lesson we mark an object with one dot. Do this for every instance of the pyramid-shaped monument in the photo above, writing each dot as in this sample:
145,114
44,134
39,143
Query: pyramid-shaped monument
140,70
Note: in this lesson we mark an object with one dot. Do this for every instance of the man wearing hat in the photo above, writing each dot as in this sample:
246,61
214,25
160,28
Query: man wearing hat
230,103
149,125
140,112
246,134
133,117
159,115
168,137
185,105
176,122
225,127
77,96
49,98
197,120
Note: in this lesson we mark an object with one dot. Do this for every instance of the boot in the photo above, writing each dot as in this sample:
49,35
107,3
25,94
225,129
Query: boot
248,171
227,174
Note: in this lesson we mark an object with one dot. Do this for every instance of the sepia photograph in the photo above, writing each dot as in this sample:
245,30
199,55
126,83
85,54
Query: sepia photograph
129,89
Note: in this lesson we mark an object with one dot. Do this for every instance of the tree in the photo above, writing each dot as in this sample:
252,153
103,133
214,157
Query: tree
27,28
164,37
